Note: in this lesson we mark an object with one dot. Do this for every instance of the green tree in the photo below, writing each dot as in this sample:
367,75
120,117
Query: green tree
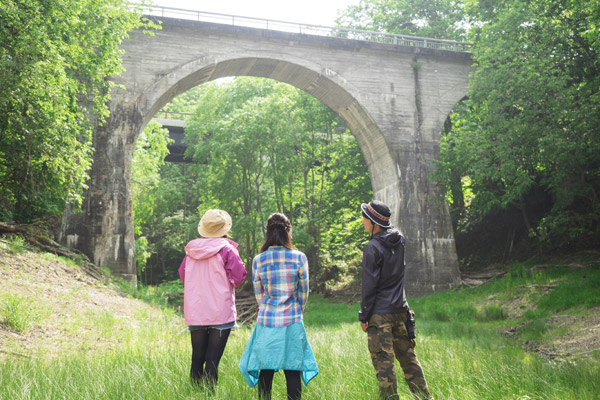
440,19
520,158
167,221
529,141
149,155
55,57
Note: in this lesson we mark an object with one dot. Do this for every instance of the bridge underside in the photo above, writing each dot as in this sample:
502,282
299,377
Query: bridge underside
177,135
394,99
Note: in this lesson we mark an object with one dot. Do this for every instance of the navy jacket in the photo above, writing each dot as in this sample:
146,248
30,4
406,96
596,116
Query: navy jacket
383,275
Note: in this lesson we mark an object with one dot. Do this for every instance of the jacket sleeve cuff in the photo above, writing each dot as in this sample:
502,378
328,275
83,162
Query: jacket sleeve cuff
362,317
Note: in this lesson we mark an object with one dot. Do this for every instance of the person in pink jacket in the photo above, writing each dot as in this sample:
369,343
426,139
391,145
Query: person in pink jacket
209,271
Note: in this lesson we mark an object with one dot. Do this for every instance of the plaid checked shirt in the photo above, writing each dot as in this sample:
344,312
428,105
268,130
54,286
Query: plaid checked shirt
280,278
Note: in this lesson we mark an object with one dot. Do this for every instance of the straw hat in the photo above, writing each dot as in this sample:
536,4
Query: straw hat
214,223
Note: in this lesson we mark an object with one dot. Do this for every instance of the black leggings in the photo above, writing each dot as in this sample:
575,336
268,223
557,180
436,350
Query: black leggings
292,380
208,345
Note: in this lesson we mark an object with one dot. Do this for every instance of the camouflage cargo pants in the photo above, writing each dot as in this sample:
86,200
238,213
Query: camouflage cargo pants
388,338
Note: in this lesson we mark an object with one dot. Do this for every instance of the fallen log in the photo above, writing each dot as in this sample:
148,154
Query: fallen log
247,308
37,237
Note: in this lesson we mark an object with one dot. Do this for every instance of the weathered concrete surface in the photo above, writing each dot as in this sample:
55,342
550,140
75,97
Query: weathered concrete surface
394,99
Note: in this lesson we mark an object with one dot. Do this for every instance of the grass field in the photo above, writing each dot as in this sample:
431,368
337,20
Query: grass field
460,345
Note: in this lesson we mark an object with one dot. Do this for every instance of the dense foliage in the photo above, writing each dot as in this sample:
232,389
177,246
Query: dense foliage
521,156
259,147
55,56
440,19
528,138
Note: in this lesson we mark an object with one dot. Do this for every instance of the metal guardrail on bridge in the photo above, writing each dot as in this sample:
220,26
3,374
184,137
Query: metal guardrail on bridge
308,29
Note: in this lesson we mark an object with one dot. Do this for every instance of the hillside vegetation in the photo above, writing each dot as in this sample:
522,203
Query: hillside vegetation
532,333
50,307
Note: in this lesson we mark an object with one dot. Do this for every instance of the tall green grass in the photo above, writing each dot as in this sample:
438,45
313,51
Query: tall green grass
20,312
461,361
14,244
167,294
458,344
573,290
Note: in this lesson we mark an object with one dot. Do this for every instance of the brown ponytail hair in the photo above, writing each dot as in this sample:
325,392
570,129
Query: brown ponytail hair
278,232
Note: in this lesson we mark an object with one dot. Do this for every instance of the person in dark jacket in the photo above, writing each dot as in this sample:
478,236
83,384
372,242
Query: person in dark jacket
384,313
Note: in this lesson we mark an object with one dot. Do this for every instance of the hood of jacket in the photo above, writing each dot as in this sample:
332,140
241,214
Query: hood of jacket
390,239
202,248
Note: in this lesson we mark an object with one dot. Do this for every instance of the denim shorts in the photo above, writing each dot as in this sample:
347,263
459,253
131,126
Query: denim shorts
221,327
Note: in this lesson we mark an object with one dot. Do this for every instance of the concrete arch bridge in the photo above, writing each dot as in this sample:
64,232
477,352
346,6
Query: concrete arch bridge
393,93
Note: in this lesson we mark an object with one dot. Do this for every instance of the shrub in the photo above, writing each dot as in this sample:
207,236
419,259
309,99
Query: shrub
492,313
15,244
534,330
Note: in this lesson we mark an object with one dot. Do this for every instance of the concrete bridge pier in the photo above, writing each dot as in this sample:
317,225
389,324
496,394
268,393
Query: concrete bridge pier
103,230
400,144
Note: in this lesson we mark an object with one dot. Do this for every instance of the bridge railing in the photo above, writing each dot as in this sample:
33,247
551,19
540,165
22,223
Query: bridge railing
292,27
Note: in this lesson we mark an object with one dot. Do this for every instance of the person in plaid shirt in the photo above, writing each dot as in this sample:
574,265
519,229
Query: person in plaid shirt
280,278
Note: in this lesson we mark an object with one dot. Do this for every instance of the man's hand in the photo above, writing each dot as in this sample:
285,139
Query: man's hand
364,326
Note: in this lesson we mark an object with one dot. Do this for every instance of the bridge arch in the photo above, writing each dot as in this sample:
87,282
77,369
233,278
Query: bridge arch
393,98
329,90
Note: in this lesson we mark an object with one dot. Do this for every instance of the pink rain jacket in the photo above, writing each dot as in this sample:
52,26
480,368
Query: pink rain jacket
211,269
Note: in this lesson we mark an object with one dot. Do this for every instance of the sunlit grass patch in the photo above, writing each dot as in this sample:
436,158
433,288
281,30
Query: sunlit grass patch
579,292
21,312
145,353
534,330
14,244
461,361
